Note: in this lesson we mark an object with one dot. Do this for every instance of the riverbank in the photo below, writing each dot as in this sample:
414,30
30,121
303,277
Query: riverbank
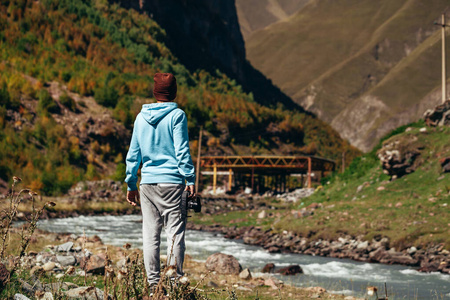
433,259
252,221
315,225
256,224
61,267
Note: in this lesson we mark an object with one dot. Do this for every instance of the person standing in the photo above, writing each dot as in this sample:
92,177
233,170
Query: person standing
160,142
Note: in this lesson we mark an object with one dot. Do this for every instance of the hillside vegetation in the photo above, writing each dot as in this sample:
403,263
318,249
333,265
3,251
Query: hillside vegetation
74,75
365,67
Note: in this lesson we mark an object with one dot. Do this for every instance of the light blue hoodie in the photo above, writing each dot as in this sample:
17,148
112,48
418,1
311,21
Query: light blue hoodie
160,141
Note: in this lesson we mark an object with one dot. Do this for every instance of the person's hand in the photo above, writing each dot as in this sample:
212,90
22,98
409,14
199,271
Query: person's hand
133,197
191,190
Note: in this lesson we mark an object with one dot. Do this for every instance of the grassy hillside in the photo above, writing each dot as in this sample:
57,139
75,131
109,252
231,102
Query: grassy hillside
362,201
74,75
332,55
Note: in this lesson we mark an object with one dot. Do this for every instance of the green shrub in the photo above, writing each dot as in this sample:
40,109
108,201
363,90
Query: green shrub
119,175
66,76
106,96
46,102
5,98
122,112
68,102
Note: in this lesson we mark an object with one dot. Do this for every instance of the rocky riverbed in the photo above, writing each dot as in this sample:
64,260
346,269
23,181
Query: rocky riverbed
62,268
432,259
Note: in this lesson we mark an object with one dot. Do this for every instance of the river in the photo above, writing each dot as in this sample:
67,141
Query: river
338,276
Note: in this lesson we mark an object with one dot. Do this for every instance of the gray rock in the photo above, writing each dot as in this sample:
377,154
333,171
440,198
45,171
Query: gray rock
412,250
85,293
363,245
262,215
384,242
66,247
243,288
95,264
378,254
245,274
65,261
47,296
404,260
20,297
295,195
359,188
223,264
49,266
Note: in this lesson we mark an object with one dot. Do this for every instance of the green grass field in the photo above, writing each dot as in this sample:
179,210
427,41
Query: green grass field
411,211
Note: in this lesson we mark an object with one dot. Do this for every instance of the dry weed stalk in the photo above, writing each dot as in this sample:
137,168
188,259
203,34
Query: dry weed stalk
8,215
83,247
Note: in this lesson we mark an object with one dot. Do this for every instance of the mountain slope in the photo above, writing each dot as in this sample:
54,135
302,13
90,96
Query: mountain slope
74,74
257,14
364,59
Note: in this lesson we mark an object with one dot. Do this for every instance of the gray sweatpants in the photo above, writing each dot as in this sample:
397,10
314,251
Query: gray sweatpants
160,205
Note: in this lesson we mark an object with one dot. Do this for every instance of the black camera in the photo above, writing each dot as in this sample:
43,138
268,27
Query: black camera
188,202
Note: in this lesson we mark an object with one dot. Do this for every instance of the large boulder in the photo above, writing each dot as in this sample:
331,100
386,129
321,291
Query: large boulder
66,260
95,264
440,115
66,247
268,268
223,264
290,270
400,155
245,274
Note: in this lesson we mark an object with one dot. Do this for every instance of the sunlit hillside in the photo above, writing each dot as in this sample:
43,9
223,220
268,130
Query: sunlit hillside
74,75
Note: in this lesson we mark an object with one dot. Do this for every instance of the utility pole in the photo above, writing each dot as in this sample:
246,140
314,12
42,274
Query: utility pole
197,177
444,71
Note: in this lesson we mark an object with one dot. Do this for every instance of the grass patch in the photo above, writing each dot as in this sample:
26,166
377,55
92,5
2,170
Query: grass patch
410,211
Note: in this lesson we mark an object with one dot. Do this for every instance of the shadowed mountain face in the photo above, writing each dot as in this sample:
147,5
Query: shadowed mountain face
205,34
366,67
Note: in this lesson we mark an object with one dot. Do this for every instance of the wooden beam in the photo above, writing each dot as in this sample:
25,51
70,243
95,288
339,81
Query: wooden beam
230,177
309,172
214,179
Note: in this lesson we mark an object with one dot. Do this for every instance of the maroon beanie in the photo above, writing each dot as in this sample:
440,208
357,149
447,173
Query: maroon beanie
165,87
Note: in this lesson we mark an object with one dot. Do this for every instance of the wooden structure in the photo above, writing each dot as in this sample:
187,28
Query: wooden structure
280,166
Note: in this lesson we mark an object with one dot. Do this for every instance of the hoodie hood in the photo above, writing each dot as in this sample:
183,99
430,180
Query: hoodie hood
154,112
